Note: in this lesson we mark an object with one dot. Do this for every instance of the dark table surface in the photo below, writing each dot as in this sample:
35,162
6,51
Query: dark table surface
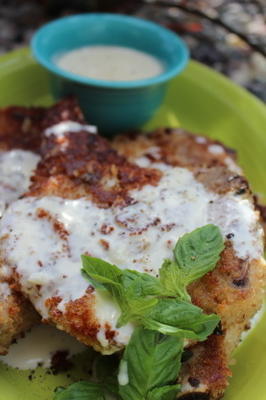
229,36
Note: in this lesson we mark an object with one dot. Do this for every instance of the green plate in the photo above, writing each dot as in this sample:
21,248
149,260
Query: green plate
199,100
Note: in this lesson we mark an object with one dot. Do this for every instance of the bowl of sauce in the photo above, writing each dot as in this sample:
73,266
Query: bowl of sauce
117,66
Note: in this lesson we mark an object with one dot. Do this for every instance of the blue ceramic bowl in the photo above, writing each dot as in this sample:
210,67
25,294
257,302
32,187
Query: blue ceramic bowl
112,106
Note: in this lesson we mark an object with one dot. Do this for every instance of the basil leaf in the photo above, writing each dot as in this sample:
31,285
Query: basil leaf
134,309
198,252
153,360
81,391
105,274
179,318
164,393
106,368
171,278
141,284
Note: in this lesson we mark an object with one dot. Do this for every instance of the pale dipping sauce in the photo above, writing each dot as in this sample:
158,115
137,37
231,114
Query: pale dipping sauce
38,347
112,63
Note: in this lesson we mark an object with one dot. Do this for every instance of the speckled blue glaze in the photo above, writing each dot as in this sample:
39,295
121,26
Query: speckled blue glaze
112,106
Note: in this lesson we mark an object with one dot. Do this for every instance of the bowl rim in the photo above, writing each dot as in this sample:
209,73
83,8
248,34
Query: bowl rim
161,78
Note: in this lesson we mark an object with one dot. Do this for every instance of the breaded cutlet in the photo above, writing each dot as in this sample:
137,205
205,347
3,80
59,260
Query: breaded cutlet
20,142
234,290
129,207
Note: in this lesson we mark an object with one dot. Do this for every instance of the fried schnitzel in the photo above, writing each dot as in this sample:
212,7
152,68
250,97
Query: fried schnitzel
20,143
128,202
234,290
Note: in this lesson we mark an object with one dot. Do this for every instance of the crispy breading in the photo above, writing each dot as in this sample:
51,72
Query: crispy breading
204,375
84,167
20,128
81,164
234,290
174,147
17,315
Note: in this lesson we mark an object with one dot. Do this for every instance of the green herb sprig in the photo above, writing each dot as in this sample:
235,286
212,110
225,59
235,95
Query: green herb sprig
163,304
162,311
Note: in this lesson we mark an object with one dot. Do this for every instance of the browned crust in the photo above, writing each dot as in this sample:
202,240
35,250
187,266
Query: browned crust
176,147
83,167
20,128
234,290
66,109
84,164
16,316
78,319
262,210
206,372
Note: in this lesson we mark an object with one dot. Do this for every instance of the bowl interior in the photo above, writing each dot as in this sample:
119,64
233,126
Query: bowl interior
72,32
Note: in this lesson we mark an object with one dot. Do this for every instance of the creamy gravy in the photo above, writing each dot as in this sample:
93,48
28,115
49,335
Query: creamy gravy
16,168
59,130
4,290
112,63
38,347
139,236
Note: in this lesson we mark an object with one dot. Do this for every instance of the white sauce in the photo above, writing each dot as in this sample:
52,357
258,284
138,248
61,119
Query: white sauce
112,63
154,151
215,149
16,168
229,162
123,378
4,290
107,310
200,139
143,235
60,129
38,346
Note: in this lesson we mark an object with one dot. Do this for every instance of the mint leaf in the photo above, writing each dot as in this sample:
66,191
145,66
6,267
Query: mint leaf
180,318
81,391
198,252
153,361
